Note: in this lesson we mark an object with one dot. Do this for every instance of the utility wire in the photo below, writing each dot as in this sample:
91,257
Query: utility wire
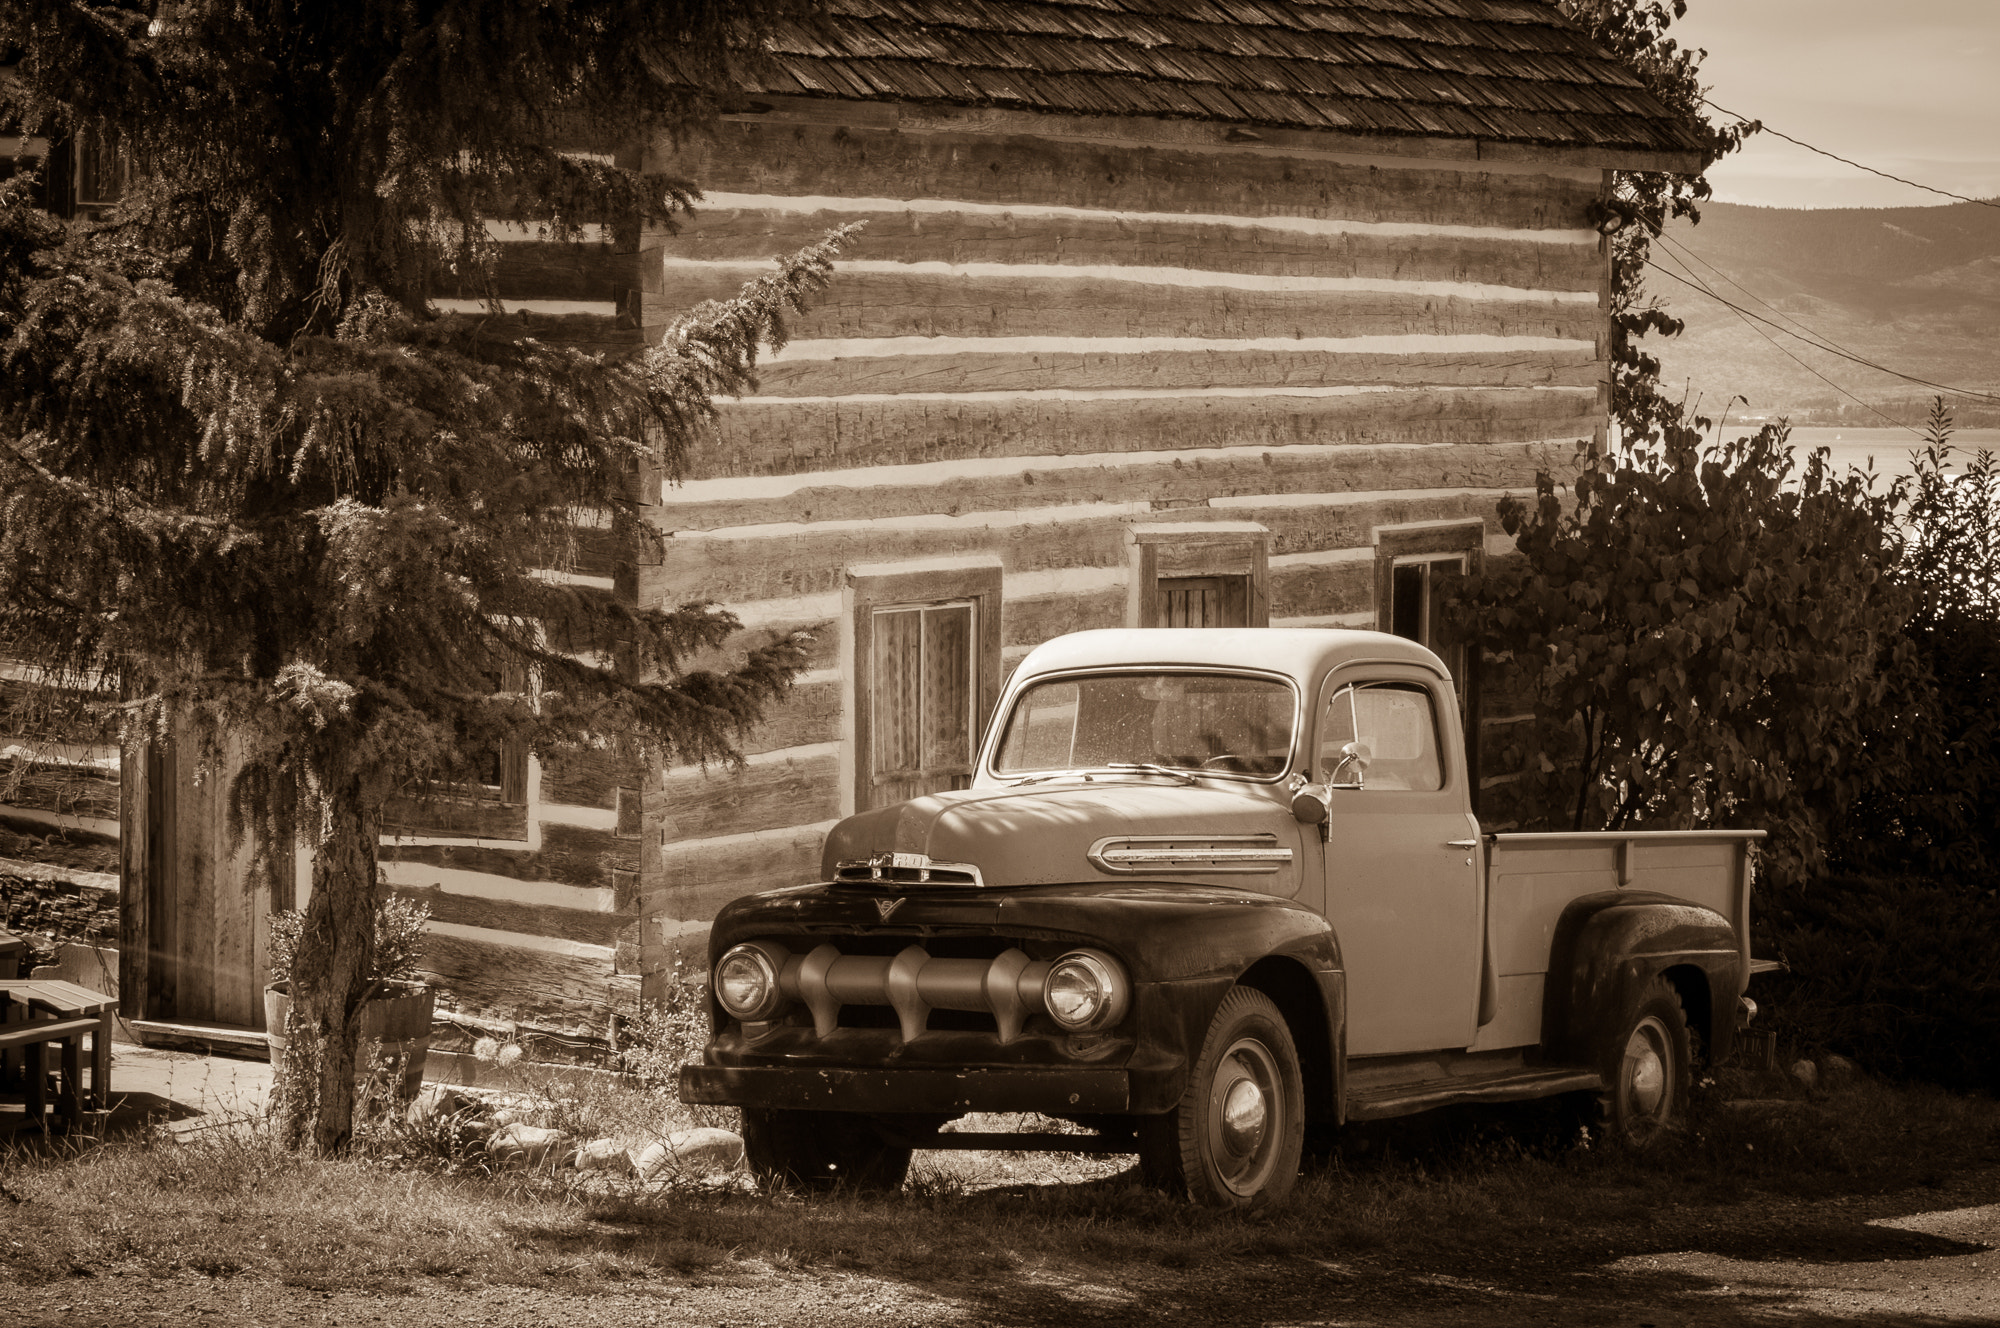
1764,128
1704,286
1820,345
1685,252
1682,254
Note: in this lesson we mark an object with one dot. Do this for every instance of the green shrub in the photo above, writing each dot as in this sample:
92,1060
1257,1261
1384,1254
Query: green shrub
1900,973
399,940
669,1033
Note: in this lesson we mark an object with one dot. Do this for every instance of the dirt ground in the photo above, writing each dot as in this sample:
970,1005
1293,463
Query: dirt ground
1925,1256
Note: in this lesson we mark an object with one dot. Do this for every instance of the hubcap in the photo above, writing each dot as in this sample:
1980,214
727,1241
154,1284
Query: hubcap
1243,1129
1647,1079
1243,1117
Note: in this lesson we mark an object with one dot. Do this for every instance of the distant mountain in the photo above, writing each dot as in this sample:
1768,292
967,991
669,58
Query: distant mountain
1912,289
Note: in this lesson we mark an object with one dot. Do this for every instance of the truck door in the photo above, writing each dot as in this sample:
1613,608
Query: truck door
1402,892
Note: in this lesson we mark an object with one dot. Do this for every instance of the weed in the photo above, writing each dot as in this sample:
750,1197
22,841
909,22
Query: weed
416,1199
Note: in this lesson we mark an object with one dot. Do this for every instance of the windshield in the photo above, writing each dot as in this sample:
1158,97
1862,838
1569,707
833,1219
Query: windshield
1218,722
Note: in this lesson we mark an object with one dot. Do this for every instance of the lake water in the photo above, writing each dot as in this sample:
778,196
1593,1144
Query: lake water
1889,448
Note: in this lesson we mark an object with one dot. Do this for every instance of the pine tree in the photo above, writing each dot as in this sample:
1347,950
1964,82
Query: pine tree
256,486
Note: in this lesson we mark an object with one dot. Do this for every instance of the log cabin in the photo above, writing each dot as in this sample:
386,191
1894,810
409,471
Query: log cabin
1162,312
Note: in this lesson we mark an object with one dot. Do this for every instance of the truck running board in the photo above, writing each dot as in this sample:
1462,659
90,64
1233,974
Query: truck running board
1382,1101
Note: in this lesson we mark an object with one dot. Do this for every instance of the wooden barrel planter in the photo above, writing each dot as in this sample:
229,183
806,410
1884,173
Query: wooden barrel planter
397,1020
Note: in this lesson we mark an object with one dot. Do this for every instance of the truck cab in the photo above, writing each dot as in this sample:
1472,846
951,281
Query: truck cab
1206,887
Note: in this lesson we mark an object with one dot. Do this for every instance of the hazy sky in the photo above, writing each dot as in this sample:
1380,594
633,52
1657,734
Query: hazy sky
1911,87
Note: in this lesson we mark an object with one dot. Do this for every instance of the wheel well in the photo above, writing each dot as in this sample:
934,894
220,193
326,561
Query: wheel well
1692,985
1293,990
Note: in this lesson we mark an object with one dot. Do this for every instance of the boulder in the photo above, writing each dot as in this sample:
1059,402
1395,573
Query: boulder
1838,1071
604,1155
1805,1074
435,1100
700,1152
524,1145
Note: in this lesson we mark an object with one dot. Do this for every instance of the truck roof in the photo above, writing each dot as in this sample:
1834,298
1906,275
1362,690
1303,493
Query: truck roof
1305,653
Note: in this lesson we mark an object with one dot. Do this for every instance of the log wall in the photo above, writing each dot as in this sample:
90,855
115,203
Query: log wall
1031,345
1034,344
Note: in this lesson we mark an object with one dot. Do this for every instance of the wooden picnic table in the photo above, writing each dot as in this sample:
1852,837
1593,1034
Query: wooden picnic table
12,947
59,1012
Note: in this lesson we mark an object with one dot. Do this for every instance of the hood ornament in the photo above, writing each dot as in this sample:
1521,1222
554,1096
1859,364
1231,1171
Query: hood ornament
887,906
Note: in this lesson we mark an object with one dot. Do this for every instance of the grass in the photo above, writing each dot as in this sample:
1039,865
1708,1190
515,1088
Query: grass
1472,1189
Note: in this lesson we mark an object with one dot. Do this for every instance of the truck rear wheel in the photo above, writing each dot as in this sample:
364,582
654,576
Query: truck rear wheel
1234,1139
820,1150
1647,1092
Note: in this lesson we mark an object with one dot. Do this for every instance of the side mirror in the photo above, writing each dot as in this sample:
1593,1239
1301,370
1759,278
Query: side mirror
1353,764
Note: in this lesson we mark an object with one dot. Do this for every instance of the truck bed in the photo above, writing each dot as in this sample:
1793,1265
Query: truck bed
1532,877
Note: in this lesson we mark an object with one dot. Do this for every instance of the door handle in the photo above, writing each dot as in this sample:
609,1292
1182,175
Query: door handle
1461,843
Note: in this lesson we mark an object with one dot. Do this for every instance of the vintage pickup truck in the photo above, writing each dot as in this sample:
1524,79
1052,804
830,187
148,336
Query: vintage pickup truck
1208,887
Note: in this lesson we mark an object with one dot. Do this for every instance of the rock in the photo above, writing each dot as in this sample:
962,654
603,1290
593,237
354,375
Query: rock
436,1100
1805,1074
524,1145
1838,1071
604,1155
690,1153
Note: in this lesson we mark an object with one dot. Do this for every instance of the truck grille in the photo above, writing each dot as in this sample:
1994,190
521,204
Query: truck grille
912,983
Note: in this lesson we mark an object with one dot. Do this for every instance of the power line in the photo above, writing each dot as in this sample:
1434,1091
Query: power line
1682,254
1820,345
1704,286
1764,128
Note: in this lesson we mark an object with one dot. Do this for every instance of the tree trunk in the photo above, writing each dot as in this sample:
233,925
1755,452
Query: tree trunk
313,1107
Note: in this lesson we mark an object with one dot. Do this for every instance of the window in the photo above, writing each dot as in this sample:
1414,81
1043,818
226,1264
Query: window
1198,574
921,646
1223,723
1204,601
922,721
100,170
1414,586
1381,736
487,798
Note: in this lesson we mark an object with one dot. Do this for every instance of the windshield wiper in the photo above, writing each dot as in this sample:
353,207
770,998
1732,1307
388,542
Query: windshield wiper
1054,774
1147,767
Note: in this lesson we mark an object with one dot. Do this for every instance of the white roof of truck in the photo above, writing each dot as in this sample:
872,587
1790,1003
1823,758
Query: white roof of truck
1305,653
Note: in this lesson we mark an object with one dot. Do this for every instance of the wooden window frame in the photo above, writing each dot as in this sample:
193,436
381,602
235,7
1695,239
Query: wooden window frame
874,588
100,173
1427,543
1161,552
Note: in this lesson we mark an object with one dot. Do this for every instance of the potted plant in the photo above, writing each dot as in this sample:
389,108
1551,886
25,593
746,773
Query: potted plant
397,1010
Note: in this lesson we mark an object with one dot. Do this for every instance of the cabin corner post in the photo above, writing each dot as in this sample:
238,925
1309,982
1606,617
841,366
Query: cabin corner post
138,764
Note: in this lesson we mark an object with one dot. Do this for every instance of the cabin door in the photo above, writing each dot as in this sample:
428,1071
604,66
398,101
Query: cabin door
1401,891
194,942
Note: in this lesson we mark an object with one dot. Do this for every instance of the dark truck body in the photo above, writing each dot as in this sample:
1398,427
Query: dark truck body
1412,961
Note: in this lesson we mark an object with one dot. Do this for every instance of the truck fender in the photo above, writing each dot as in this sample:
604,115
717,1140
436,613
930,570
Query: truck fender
1609,947
1302,976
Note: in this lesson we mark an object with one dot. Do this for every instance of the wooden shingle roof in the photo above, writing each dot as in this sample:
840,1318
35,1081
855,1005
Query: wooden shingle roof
1493,70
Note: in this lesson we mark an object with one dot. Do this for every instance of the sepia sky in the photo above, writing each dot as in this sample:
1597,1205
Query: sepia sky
1911,87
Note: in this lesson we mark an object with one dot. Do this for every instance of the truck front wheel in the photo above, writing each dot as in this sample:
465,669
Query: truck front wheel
1647,1094
1234,1139
819,1150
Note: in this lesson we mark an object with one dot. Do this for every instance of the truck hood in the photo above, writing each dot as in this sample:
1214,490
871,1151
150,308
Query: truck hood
1112,829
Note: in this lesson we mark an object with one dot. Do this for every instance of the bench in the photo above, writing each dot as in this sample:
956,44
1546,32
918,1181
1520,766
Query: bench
60,1012
34,1037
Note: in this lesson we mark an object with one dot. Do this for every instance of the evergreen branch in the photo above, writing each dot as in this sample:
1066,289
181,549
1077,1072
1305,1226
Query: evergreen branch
711,351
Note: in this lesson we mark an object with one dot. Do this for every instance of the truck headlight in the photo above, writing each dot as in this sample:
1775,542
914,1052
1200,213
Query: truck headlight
746,980
1086,990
